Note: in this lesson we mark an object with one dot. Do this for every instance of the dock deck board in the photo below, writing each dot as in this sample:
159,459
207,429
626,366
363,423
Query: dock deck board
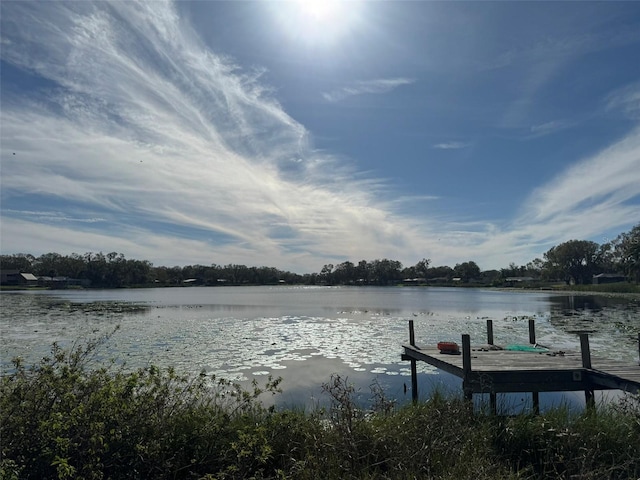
515,371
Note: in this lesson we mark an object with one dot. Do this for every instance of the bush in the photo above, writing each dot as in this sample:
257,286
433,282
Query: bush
61,419
561,444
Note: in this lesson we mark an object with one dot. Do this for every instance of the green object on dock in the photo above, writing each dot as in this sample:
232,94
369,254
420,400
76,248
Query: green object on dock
526,348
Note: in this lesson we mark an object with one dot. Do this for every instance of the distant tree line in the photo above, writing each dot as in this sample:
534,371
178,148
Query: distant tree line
574,261
577,261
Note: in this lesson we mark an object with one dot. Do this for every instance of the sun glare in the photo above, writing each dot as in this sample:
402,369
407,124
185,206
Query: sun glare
317,21
320,10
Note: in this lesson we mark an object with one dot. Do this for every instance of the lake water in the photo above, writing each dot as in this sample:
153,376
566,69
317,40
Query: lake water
304,334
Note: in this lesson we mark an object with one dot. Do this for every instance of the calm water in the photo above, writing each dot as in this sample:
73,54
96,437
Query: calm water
304,334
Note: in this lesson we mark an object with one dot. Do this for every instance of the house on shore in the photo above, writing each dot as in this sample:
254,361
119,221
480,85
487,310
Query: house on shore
63,282
603,278
518,281
18,278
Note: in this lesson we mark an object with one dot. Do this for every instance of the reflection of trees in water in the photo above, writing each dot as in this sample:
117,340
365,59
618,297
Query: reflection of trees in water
611,318
571,303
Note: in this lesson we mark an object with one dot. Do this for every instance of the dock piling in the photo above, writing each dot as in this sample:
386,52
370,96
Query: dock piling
490,332
532,331
585,351
412,334
466,366
414,366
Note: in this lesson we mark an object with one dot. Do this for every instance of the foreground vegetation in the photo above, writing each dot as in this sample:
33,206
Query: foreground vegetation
62,419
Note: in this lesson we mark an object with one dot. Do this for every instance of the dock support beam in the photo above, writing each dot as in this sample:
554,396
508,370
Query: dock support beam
466,366
586,363
535,397
532,331
490,332
414,367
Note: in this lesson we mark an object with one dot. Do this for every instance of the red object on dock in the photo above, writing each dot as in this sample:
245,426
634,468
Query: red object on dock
449,347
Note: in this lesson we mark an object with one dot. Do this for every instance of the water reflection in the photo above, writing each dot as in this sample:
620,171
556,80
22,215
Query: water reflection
304,334
572,303
612,322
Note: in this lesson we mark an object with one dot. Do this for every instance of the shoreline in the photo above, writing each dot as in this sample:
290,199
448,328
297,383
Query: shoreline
583,293
550,290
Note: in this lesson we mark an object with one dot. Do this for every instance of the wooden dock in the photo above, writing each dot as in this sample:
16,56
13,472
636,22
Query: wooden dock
489,369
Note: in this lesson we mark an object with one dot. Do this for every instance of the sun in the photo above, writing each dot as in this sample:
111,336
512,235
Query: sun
320,11
317,22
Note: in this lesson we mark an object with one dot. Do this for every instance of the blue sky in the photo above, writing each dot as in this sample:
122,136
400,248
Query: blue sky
295,134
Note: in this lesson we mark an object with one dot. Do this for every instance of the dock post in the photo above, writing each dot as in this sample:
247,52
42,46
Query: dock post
412,334
585,351
532,331
535,397
466,366
586,363
490,332
414,367
638,348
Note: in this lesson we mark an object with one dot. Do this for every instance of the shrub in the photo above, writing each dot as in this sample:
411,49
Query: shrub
61,419
58,419
562,444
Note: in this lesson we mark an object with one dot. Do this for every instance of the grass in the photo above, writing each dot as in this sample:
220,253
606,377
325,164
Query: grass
61,419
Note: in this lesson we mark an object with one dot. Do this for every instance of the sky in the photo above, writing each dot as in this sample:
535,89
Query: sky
293,134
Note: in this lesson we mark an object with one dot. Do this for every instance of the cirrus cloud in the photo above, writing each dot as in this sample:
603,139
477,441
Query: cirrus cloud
133,135
363,87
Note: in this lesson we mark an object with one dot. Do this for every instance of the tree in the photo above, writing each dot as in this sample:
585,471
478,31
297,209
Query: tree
467,271
19,261
443,272
325,273
491,276
385,271
49,264
627,253
363,272
513,271
344,273
573,261
534,267
422,267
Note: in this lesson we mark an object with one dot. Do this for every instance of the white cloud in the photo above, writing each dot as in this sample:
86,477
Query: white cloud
32,237
160,135
52,216
550,127
543,59
626,100
595,195
451,145
181,157
377,86
606,180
